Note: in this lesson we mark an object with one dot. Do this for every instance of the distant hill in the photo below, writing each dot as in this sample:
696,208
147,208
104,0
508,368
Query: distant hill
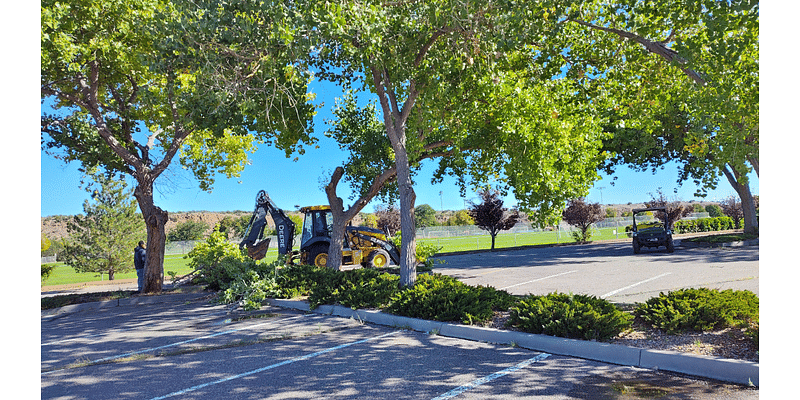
55,227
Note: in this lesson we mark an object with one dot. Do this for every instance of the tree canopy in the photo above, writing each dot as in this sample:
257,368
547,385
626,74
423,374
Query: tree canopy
708,122
128,86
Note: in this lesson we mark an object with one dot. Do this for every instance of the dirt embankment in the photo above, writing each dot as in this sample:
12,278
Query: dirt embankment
55,227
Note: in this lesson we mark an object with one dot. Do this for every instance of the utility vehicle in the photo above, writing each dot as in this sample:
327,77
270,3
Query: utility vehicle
653,234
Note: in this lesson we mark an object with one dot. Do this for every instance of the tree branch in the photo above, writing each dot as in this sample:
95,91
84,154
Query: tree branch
654,47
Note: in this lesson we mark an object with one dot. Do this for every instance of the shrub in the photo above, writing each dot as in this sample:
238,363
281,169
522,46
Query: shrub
47,270
569,316
220,262
700,310
424,253
703,225
443,298
301,280
359,288
251,289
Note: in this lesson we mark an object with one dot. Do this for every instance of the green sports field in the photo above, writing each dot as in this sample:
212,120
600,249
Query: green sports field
63,274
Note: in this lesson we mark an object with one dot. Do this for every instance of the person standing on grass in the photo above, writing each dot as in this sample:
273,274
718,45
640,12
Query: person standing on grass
139,262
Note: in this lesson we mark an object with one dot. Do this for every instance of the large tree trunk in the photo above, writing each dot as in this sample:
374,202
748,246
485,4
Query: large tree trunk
748,204
341,217
155,220
339,222
395,116
408,245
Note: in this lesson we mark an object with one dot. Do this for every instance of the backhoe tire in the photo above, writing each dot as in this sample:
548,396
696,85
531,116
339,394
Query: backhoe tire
318,256
377,259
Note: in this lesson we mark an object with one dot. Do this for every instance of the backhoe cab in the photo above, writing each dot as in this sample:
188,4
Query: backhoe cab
363,246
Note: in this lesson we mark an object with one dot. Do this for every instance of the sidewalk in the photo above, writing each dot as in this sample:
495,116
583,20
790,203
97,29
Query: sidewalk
94,287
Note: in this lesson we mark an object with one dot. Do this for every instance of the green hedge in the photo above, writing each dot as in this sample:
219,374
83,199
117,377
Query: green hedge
704,225
693,225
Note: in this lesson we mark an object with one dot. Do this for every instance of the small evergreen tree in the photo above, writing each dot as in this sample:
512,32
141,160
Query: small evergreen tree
582,215
102,240
490,215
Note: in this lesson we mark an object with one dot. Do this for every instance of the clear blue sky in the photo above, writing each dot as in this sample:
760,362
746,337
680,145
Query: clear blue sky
292,183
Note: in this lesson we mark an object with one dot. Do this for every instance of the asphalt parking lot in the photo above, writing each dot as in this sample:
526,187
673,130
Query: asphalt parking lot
607,270
183,347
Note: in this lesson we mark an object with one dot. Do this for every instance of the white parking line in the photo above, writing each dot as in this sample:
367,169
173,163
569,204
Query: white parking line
536,280
268,367
184,342
71,340
461,389
634,285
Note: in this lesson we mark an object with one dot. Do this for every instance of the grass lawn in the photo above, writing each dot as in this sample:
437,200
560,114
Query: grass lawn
63,274
724,238
484,242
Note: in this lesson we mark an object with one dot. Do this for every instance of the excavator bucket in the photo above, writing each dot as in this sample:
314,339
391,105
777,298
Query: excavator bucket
259,250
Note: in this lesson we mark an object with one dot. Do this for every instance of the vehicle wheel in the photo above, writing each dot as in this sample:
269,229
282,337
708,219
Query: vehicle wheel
318,256
670,246
377,259
636,247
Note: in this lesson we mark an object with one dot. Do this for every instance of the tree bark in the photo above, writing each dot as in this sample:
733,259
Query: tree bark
155,220
408,244
339,221
748,204
341,217
395,117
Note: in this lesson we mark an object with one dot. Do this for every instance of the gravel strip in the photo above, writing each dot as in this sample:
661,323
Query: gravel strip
727,343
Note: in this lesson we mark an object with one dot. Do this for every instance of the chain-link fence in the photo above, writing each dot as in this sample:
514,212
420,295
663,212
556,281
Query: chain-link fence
520,235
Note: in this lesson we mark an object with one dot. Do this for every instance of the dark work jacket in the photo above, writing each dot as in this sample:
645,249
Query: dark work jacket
138,257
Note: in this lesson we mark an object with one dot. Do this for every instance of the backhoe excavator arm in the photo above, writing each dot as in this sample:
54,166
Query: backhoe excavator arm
254,240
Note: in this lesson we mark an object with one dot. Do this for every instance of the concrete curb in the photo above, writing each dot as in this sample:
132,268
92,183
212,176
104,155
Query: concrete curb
130,301
751,242
734,371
